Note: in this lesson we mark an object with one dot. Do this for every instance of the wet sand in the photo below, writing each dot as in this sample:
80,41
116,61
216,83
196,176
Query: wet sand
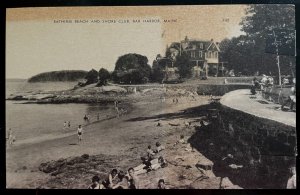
117,136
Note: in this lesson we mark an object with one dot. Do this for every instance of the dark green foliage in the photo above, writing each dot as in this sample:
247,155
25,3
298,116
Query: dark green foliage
158,69
184,65
247,53
91,77
103,77
64,75
131,69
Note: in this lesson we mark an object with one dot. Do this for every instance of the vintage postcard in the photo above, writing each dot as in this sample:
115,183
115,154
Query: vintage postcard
151,97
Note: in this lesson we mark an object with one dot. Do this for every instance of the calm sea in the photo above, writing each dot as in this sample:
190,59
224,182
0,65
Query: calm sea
34,121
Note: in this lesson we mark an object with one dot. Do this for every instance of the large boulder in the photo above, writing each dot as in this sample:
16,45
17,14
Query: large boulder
115,89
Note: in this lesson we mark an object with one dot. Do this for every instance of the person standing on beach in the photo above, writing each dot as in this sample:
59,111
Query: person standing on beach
98,116
291,184
292,97
117,108
65,124
69,124
85,118
79,132
10,137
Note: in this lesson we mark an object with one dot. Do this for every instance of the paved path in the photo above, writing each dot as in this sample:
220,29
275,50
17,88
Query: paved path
243,101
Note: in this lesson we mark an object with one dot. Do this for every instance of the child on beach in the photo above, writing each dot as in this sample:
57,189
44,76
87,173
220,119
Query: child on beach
149,165
79,132
159,147
111,180
161,184
291,184
133,181
122,183
65,124
181,140
96,183
86,118
10,137
150,153
117,108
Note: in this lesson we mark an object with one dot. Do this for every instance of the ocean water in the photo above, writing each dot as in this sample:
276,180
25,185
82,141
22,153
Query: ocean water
29,121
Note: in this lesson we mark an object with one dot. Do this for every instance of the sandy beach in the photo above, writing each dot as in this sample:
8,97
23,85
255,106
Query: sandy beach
128,135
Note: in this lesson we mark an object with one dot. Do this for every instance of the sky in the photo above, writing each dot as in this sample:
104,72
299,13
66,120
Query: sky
40,40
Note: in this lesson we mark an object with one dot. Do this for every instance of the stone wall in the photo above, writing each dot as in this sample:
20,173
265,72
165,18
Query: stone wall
262,150
273,138
269,147
219,90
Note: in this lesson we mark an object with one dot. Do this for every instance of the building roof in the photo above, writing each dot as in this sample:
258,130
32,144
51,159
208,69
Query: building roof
194,44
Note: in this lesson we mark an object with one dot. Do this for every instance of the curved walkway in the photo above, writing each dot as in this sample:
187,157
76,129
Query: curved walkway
243,101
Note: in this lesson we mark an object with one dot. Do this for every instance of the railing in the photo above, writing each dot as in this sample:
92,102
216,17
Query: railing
276,93
242,80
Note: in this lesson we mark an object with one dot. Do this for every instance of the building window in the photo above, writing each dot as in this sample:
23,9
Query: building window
201,45
192,54
209,54
200,54
216,54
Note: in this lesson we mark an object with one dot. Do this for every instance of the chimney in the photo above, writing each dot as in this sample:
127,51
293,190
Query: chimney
212,40
217,43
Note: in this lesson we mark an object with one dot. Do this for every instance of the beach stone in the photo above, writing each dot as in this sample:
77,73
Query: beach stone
205,164
233,187
85,156
210,183
226,183
47,168
56,172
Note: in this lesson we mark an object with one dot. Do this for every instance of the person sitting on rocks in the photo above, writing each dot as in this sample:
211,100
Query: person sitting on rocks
133,181
150,153
187,124
159,147
144,167
111,180
181,140
161,184
157,163
149,165
122,183
96,183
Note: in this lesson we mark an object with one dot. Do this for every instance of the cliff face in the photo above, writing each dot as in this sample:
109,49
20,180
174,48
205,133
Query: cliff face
64,75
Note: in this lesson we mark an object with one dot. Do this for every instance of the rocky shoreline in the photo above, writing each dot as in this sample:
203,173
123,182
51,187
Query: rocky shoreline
89,94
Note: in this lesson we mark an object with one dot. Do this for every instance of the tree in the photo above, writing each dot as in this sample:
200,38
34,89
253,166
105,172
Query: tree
131,69
158,69
103,77
248,53
91,77
260,23
184,65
